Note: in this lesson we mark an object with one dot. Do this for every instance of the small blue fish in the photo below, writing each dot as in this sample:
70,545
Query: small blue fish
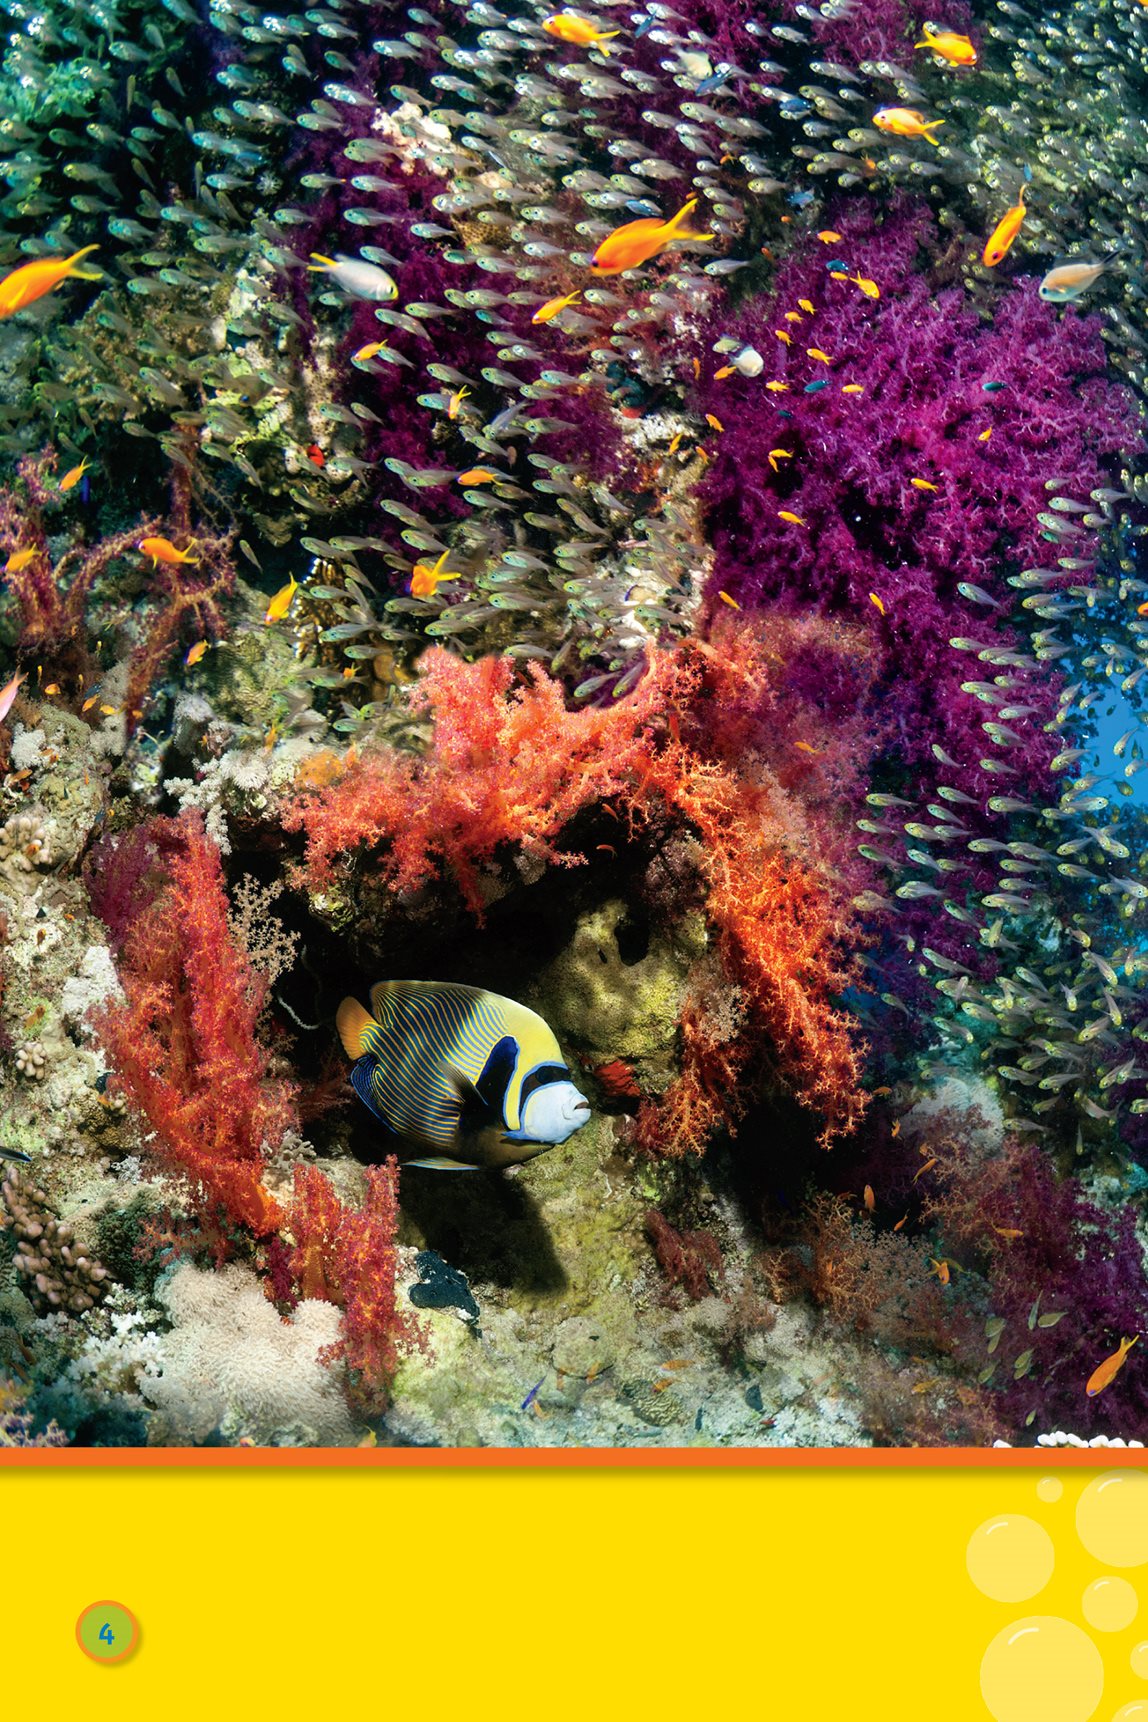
716,79
530,1397
837,267
15,1154
814,388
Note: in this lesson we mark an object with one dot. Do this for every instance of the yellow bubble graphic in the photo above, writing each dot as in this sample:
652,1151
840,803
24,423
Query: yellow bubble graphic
1010,1558
1139,1660
1137,1711
1042,1669
1110,1604
1049,1489
1112,1518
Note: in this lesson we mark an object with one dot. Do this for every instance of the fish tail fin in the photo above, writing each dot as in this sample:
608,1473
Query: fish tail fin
606,35
354,1023
929,130
321,263
76,255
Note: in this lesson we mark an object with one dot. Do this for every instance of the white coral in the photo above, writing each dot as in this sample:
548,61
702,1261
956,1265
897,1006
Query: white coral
230,1355
25,843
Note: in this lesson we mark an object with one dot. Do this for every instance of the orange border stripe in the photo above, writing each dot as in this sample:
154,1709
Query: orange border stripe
577,1458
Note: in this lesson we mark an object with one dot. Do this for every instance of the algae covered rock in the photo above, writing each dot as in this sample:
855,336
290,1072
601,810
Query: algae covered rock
615,990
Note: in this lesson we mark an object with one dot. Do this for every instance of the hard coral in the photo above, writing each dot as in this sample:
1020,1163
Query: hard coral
59,1275
184,1042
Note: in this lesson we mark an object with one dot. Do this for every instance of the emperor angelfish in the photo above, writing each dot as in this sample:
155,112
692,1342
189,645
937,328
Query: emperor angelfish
466,1078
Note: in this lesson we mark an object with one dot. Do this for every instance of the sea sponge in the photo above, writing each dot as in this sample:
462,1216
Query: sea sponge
230,1355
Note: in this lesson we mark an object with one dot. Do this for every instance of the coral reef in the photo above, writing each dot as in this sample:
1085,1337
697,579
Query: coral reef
738,659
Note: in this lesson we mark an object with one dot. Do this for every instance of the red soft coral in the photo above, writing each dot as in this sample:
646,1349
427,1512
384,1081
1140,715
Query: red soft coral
183,1041
347,1256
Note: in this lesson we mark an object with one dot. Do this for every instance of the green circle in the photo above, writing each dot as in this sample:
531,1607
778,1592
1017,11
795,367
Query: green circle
118,1626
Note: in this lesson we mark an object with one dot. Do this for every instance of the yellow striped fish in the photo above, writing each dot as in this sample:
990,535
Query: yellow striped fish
466,1078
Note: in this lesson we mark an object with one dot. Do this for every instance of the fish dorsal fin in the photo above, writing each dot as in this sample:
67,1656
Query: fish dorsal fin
353,1021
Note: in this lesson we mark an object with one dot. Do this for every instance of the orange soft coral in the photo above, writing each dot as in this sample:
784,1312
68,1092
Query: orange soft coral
712,743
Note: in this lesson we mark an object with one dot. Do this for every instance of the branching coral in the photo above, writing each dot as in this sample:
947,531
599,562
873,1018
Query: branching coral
52,594
184,1042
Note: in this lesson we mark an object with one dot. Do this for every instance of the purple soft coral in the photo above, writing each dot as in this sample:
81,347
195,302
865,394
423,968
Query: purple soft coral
899,475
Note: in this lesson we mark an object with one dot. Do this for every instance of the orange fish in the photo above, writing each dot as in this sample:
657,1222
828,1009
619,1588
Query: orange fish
371,349
195,653
74,474
870,1198
786,514
1003,234
477,475
454,405
1008,1232
868,287
900,1222
1105,1373
726,599
425,580
927,1167
552,307
163,550
281,603
873,599
638,242
714,423
948,46
776,454
315,454
907,123
32,280
941,1269
19,559
828,237
570,27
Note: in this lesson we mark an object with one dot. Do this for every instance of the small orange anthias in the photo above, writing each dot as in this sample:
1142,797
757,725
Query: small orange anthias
954,49
1001,238
571,27
638,242
163,550
1105,1373
32,280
